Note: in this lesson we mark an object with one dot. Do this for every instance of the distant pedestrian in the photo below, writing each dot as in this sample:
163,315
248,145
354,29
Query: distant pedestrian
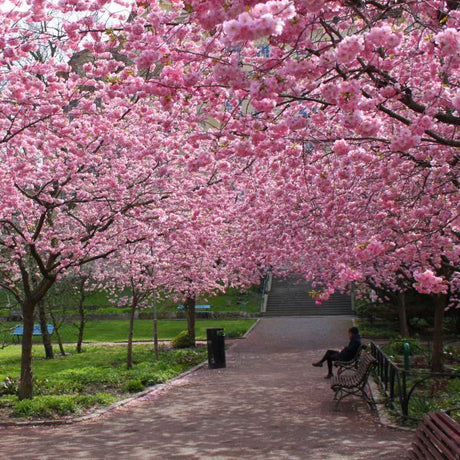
347,354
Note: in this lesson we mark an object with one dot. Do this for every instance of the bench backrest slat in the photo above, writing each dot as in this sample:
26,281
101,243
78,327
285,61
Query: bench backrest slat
449,425
437,438
441,434
19,329
428,445
364,366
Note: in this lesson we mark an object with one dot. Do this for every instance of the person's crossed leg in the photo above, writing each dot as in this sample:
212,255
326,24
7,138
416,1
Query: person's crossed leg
329,356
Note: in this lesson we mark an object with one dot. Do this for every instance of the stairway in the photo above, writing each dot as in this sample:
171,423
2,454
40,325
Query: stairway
289,297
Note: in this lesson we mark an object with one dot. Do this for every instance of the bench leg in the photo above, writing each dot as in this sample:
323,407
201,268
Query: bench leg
343,393
367,395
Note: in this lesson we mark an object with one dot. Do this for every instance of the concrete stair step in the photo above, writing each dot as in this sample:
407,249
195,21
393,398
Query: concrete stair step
289,297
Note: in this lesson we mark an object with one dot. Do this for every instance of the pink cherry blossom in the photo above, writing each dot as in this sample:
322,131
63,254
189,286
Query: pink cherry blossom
427,283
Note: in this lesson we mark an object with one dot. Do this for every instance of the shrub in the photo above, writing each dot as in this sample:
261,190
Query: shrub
61,387
133,386
235,333
45,406
182,340
90,375
396,347
189,357
52,406
10,386
87,401
418,324
157,377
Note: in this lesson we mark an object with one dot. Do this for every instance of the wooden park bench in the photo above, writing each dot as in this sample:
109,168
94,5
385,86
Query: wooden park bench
352,364
18,331
197,307
436,438
204,311
355,382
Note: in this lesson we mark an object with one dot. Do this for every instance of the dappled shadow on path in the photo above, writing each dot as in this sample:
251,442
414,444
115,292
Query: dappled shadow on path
267,404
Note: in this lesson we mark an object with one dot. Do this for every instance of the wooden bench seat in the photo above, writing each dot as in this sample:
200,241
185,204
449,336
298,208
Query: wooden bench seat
355,382
437,438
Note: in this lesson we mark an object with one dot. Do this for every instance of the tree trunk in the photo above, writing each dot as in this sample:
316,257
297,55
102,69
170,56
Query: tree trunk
129,357
58,335
402,313
189,307
155,326
26,383
439,301
81,316
46,338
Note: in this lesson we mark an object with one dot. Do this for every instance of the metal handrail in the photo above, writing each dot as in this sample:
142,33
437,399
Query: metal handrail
393,379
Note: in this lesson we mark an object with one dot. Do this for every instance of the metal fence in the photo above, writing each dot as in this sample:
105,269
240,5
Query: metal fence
399,384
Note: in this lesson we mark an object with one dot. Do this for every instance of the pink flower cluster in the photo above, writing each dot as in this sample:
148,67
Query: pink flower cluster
263,105
404,140
383,37
262,20
448,42
456,102
347,94
349,49
147,58
428,283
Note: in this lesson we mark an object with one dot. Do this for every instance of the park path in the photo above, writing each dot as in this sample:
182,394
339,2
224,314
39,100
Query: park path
269,403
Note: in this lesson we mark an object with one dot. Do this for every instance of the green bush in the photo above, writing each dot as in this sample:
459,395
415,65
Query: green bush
133,386
396,347
90,375
190,357
87,401
376,330
158,377
45,406
418,324
52,406
235,333
9,386
182,340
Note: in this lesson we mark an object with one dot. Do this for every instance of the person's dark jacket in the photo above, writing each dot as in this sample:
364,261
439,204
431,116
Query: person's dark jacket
351,349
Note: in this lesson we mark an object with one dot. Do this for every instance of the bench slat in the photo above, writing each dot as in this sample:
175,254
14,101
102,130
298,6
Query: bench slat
19,329
422,450
429,445
448,425
436,438
442,436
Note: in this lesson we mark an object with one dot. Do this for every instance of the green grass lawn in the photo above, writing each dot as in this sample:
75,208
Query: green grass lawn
117,330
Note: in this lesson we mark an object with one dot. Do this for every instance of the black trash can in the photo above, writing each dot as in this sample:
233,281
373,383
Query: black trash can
216,347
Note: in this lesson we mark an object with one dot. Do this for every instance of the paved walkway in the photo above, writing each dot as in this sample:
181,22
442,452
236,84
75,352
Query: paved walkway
269,403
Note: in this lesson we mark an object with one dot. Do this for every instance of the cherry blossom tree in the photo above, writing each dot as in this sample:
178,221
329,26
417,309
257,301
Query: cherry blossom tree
332,123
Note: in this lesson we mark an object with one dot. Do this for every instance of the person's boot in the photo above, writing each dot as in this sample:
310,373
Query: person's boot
317,364
329,376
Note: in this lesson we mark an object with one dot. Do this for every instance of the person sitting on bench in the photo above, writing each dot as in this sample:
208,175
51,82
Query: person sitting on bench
347,354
